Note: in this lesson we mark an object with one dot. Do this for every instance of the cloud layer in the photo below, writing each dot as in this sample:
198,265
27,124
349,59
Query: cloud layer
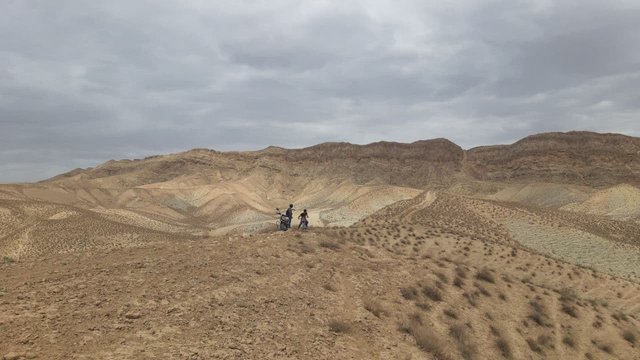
83,82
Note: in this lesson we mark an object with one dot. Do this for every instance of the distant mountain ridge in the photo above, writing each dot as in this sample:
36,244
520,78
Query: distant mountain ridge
583,158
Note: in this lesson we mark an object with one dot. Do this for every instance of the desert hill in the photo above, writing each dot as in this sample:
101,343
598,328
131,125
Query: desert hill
415,251
209,192
582,158
438,276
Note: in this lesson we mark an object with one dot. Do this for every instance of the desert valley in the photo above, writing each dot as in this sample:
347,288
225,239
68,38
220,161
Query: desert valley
414,251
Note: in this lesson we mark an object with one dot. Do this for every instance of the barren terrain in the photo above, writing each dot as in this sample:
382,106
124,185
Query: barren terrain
415,251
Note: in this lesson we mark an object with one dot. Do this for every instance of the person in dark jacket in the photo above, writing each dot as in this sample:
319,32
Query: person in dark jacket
304,219
290,215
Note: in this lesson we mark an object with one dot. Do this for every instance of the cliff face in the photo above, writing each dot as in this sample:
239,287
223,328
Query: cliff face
573,158
412,165
576,158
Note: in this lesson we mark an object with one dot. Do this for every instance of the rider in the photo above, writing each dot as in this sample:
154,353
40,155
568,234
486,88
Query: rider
303,218
290,215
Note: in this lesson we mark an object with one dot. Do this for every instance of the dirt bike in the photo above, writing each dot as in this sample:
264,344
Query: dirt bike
283,222
304,225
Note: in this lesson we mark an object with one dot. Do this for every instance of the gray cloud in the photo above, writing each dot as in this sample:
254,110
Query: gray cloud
83,82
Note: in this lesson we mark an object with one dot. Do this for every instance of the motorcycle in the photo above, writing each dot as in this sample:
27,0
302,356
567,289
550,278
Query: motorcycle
283,221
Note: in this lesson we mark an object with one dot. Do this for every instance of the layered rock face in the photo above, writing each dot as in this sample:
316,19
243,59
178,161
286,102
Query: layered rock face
412,165
577,158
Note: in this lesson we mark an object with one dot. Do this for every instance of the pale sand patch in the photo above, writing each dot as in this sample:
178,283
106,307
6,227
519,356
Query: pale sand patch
578,247
63,215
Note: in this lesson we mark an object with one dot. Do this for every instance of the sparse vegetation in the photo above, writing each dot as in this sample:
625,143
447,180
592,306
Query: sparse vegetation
339,326
568,340
432,293
630,337
330,287
504,347
540,314
533,345
461,334
486,275
409,293
606,348
375,307
332,245
450,313
8,259
427,339
570,310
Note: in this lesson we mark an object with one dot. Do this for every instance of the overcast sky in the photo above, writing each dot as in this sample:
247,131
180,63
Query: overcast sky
82,82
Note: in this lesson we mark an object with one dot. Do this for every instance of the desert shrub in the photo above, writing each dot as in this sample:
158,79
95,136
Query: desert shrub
486,275
409,293
442,277
330,245
375,308
545,340
423,305
330,287
567,294
432,293
540,313
471,298
339,326
568,340
504,348
620,316
430,341
8,259
606,348
450,313
630,337
461,272
463,340
482,290
570,310
458,282
533,345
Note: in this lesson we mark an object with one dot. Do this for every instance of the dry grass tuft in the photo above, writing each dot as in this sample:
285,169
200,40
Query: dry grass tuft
486,275
463,340
567,294
504,348
427,339
461,272
330,287
339,326
375,307
533,345
540,315
606,348
570,310
432,293
330,245
630,337
409,293
450,313
568,340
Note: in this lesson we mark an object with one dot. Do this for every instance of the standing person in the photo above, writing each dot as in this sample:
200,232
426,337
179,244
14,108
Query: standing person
290,215
303,219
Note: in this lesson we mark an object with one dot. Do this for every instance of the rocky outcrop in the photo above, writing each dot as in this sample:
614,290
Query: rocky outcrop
576,157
